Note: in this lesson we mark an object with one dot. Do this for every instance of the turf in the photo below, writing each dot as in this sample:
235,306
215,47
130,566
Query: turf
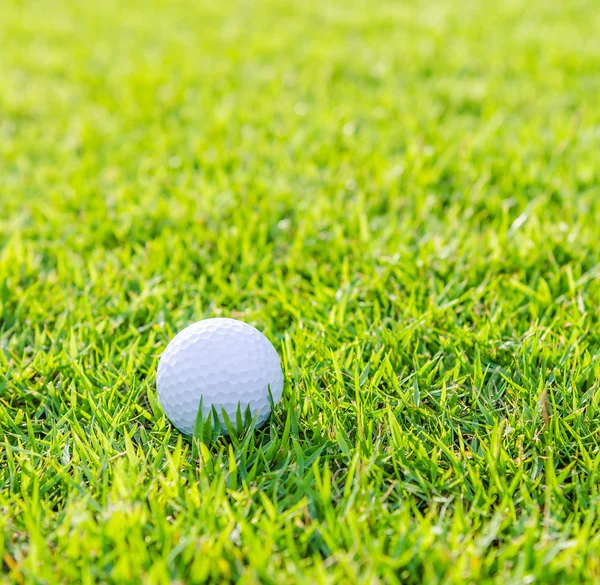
404,197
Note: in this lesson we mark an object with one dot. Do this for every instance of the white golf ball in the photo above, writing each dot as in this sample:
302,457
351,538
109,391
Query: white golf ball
224,363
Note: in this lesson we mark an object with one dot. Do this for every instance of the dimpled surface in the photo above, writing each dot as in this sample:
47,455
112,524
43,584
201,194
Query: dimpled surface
226,363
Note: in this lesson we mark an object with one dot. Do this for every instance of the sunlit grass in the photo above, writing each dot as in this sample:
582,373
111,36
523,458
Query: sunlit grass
402,196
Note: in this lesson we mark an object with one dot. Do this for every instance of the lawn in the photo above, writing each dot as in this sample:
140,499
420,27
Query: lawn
403,196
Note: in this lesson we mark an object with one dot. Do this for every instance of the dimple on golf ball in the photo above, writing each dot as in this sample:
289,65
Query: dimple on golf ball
223,363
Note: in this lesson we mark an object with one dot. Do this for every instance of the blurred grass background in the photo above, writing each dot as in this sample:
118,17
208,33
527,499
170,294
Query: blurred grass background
402,195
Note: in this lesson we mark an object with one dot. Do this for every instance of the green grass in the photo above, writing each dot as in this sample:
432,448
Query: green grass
404,197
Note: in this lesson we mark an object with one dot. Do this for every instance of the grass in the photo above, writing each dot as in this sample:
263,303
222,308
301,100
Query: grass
403,196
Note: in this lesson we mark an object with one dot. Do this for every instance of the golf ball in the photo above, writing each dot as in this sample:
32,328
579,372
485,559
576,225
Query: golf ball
224,363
